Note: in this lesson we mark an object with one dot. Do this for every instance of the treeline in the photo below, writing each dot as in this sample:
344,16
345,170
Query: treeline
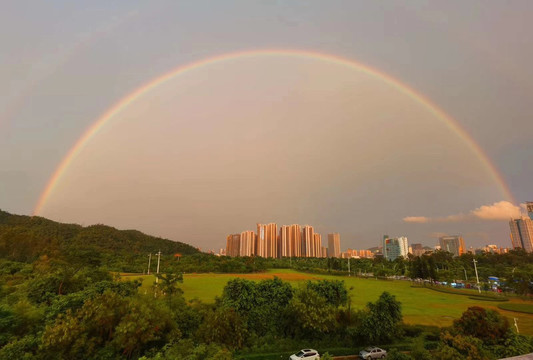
26,238
515,268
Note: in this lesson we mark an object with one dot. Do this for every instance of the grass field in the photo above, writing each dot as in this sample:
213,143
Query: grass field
518,307
419,305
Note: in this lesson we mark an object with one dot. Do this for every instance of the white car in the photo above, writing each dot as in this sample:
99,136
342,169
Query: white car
372,353
307,354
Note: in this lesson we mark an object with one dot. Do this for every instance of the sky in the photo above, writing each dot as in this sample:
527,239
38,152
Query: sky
414,120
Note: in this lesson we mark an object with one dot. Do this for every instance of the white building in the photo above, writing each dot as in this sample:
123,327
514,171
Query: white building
395,247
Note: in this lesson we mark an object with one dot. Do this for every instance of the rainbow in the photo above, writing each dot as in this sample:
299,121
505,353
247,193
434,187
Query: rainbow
138,93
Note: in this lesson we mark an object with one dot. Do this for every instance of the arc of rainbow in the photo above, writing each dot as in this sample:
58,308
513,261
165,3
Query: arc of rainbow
139,92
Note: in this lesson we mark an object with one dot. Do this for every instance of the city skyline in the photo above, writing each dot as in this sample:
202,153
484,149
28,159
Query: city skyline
290,241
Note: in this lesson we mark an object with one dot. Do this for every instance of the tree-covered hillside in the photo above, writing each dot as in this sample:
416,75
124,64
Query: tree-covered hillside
26,238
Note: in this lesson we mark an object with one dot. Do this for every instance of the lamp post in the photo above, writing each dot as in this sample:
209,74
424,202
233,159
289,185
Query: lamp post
477,277
349,274
158,261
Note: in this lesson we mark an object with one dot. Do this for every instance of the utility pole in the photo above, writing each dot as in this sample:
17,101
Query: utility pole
149,260
477,277
158,260
349,274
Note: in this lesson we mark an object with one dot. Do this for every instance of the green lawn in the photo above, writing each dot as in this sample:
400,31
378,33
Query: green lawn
419,305
521,308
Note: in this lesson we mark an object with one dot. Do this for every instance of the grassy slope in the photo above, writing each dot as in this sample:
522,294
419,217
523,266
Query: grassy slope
419,305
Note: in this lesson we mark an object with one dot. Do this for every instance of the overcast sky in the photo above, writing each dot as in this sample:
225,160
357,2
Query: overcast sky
270,138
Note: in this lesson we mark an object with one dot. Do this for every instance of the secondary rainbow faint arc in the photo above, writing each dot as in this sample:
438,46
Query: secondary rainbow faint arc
139,92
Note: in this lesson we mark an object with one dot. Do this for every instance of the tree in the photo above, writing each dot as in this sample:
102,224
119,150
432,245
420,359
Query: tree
169,285
333,291
381,323
310,315
261,305
223,326
108,324
240,294
453,347
486,325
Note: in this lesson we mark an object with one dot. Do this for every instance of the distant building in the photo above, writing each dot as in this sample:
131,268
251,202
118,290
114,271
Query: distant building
261,241
334,245
308,237
522,233
317,245
285,245
233,245
247,243
324,252
394,248
417,250
529,206
366,254
267,240
295,236
454,244
494,249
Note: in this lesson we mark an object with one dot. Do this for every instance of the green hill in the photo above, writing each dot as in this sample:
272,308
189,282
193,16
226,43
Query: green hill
26,238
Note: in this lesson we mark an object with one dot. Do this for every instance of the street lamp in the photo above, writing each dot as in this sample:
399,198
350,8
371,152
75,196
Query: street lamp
477,277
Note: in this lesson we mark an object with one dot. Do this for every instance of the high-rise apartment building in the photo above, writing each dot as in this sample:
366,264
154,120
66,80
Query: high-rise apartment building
334,245
308,236
272,240
285,244
296,240
522,233
267,240
454,244
247,243
395,247
324,252
233,244
317,245
260,243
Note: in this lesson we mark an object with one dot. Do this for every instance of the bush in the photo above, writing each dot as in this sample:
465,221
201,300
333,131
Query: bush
394,354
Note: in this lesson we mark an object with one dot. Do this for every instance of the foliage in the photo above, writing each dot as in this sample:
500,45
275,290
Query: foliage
419,352
168,285
223,326
309,315
334,291
482,334
326,356
26,238
382,322
460,347
394,354
108,321
187,350
487,325
261,304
